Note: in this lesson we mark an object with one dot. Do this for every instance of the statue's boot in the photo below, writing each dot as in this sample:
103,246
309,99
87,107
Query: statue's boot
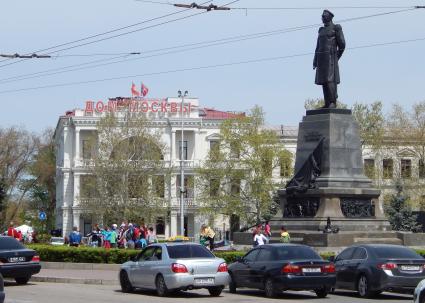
332,105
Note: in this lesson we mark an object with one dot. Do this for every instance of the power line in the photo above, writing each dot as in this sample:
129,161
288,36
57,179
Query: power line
186,47
322,7
205,67
112,31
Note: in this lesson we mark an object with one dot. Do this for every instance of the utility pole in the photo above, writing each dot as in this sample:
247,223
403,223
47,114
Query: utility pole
14,56
182,187
206,7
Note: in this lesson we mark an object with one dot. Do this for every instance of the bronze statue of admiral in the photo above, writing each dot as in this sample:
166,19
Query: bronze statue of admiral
330,46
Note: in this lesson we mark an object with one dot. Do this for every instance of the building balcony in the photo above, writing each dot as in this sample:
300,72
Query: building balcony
187,164
188,202
86,163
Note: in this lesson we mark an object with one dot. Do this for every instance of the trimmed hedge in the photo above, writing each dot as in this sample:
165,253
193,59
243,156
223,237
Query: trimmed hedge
85,254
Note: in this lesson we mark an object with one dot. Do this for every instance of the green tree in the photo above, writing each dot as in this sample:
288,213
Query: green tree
236,178
42,185
127,174
17,148
399,212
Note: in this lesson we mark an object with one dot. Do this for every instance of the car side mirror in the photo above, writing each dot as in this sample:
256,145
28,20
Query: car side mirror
239,259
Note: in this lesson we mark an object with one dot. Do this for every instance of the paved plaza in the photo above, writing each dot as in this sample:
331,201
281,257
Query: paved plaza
43,292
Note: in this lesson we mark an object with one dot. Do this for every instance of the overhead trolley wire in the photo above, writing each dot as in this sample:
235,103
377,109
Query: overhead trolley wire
116,30
185,47
205,67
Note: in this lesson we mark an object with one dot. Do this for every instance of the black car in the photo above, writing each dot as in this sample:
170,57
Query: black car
1,289
279,267
373,268
16,261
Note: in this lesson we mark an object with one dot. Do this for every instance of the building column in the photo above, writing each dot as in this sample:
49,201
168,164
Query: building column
77,146
196,145
76,201
66,221
173,146
173,225
76,219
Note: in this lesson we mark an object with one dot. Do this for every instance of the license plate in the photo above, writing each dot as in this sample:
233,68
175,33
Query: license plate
312,269
204,281
410,268
16,259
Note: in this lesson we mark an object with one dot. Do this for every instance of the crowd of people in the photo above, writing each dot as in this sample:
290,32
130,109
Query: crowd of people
23,237
128,235
261,234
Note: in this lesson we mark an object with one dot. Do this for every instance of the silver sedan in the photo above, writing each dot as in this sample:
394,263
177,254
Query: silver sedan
169,267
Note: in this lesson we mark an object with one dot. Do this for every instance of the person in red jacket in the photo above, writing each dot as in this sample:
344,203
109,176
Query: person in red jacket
12,232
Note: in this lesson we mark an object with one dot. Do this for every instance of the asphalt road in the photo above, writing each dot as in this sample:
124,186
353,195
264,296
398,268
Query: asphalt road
63,293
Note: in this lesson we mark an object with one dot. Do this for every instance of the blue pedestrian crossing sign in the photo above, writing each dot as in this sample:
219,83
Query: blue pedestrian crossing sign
42,215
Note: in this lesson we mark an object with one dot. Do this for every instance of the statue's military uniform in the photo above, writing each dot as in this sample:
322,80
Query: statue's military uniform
330,46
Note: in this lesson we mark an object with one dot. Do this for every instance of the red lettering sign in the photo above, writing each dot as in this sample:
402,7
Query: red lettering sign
89,107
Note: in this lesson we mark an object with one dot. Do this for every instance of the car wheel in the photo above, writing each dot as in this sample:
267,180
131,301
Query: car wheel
215,291
161,287
125,282
363,287
22,280
321,292
232,285
269,288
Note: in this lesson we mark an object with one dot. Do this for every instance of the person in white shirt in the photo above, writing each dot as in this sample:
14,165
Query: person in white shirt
259,239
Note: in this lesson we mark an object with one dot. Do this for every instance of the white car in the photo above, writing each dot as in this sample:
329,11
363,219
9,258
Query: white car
57,241
419,294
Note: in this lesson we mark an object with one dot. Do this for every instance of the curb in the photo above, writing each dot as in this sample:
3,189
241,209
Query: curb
74,281
76,266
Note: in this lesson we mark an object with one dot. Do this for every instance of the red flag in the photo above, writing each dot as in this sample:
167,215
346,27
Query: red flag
144,90
134,91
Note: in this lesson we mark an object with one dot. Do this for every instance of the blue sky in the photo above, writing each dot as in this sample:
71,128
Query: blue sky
389,73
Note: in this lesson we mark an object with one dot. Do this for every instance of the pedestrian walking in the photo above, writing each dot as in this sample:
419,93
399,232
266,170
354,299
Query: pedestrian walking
259,238
209,234
75,237
284,235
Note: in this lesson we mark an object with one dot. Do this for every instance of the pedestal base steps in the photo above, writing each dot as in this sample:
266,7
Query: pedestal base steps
341,239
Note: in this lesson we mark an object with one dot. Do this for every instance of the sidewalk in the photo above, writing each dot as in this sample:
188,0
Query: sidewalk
78,273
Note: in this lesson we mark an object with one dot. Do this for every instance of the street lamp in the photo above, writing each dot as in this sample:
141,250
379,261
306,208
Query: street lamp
182,189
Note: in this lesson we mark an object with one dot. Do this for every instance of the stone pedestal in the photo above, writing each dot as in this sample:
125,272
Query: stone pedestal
342,192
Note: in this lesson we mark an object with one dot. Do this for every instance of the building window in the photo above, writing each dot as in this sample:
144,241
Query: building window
369,168
188,186
235,150
214,187
421,169
214,147
160,226
184,150
88,187
87,149
406,168
158,183
235,187
137,186
387,167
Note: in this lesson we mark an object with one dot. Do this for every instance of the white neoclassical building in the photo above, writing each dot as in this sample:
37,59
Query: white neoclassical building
200,131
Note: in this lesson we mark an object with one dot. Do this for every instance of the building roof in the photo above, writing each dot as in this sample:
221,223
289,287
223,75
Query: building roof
209,113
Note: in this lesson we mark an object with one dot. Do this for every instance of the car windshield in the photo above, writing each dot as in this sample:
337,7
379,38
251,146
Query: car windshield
188,251
9,243
296,253
386,252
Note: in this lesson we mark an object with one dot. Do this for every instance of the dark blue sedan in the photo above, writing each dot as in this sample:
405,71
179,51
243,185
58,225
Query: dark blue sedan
279,267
